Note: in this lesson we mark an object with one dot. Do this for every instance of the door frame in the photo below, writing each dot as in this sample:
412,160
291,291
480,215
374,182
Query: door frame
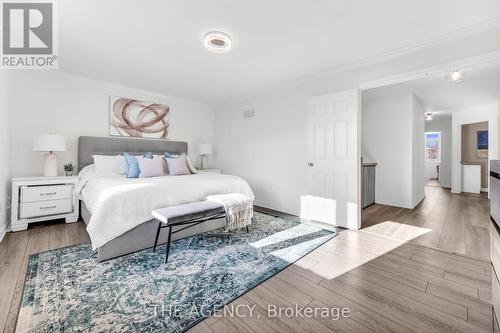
456,144
467,63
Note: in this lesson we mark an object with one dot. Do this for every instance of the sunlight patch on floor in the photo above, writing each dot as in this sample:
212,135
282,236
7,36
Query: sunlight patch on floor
300,230
288,253
397,230
351,249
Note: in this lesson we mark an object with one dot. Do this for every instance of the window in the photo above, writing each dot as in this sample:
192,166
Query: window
433,146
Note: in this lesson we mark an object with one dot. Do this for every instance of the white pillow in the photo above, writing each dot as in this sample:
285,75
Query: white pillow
150,167
190,165
107,165
177,166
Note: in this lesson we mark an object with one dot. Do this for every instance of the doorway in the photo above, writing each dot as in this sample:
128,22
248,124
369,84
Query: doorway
432,158
474,157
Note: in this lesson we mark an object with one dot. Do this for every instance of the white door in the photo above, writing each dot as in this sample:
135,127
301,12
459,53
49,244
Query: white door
333,165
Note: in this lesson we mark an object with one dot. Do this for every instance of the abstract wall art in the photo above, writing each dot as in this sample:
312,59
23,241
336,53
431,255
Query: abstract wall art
134,118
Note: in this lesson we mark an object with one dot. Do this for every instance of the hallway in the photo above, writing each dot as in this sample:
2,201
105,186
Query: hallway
457,223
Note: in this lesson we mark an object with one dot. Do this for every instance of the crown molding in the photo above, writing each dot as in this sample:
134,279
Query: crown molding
483,60
384,56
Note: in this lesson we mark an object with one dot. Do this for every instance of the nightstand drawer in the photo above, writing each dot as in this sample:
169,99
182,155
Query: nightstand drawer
42,193
44,208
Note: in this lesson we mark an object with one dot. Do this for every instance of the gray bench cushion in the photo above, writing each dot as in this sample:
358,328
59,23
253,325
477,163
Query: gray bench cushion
181,213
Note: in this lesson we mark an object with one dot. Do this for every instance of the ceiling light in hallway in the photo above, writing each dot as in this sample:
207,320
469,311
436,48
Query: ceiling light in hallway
456,76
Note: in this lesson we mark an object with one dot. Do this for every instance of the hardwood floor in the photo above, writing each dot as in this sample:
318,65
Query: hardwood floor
456,223
388,285
15,249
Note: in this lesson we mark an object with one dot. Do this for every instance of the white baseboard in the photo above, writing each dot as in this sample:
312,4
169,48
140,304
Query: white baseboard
3,231
280,208
394,203
418,200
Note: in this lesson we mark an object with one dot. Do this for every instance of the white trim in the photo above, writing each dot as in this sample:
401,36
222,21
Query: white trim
380,57
477,114
411,48
394,203
278,207
402,204
485,189
3,231
483,60
418,200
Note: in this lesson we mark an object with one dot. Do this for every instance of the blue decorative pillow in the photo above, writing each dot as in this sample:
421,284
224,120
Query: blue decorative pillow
133,166
168,155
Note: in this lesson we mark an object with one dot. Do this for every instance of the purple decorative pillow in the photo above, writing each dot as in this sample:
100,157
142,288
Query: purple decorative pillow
150,167
177,166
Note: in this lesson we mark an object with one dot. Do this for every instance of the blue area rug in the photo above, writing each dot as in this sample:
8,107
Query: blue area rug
67,290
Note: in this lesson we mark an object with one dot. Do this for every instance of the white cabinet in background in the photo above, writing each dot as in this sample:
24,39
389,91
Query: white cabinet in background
471,178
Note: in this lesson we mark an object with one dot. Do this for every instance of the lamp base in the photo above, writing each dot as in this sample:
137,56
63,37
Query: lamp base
203,161
50,165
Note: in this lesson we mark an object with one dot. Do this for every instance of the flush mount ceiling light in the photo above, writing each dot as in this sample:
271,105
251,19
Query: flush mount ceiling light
456,76
428,116
217,41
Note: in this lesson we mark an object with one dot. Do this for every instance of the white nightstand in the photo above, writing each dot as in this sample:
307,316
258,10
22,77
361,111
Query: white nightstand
210,171
37,199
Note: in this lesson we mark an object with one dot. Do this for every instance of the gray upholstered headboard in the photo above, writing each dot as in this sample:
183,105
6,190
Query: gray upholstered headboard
93,145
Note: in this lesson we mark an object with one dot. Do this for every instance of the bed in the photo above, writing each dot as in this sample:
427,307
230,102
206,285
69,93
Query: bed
117,210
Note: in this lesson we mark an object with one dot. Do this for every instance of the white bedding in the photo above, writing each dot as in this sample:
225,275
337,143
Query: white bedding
119,204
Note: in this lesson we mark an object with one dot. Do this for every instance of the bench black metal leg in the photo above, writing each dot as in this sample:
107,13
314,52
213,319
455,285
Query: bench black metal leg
157,235
247,229
168,242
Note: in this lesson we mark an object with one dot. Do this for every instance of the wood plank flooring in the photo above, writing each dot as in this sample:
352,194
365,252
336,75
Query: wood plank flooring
456,223
388,285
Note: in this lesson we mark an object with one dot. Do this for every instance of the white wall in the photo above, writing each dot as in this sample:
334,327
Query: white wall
418,151
443,126
48,101
5,113
387,140
269,151
489,113
393,137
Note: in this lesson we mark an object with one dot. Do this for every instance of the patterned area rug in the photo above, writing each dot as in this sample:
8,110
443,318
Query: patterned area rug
67,290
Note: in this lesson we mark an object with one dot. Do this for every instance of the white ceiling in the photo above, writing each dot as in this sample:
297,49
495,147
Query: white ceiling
157,45
480,87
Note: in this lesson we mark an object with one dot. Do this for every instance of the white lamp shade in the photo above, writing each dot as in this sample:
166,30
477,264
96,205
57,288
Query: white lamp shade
205,149
49,142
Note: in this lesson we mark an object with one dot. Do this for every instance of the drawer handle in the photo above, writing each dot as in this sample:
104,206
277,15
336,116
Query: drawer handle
48,193
49,207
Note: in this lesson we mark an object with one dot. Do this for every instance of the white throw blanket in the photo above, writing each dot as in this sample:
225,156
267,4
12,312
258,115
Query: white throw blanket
238,207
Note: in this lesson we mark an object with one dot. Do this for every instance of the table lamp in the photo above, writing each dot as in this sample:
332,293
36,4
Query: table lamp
204,149
50,143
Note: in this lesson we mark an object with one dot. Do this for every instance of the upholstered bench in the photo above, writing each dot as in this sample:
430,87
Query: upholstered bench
188,214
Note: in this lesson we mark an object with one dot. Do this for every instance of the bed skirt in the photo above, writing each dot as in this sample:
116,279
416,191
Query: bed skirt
143,236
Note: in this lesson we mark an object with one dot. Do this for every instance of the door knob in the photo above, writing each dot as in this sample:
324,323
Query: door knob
310,164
